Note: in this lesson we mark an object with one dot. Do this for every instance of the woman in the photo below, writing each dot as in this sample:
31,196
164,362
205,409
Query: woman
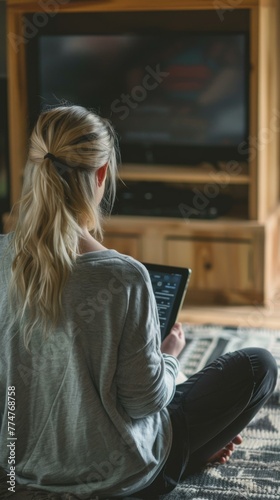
97,410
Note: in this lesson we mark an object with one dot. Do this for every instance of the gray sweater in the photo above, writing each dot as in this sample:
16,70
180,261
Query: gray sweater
90,414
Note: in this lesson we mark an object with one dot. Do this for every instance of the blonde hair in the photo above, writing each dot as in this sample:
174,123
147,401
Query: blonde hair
52,208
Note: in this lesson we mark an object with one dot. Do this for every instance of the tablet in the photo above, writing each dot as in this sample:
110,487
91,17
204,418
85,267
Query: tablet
170,285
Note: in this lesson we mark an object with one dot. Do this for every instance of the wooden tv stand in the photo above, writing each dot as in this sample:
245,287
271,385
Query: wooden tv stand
235,259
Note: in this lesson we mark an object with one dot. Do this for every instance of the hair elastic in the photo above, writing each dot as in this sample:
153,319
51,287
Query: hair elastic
50,156
60,167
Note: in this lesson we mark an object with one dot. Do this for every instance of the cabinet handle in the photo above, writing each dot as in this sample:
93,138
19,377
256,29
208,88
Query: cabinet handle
207,266
250,266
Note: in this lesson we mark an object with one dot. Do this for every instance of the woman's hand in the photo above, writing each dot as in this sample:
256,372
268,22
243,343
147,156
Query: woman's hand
175,342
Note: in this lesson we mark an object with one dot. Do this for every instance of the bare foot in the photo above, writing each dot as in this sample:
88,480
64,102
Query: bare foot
222,456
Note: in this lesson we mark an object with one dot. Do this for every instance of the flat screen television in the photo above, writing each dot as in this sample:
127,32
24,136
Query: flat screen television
175,98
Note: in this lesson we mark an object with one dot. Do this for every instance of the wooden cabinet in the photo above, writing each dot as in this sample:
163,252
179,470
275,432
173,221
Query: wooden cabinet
216,265
235,258
222,268
227,262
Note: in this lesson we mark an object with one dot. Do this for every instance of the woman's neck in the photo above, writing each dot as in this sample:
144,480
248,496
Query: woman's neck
89,244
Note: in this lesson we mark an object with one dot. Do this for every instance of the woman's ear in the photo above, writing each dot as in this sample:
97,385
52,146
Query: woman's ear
101,174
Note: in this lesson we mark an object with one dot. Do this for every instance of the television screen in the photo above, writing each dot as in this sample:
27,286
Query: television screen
174,98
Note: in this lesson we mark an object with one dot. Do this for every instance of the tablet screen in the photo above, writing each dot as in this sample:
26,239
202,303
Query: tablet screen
169,285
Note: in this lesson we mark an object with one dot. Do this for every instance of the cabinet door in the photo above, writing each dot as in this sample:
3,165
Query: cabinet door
219,266
127,244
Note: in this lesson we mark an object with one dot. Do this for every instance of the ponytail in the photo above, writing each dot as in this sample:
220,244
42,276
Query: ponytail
55,202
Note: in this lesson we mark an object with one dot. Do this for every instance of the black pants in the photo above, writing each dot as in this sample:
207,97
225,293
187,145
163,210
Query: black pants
210,409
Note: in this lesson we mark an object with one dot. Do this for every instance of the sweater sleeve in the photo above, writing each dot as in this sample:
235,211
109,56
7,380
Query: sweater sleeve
146,378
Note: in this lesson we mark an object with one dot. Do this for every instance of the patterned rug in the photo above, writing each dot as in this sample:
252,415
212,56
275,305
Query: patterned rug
253,472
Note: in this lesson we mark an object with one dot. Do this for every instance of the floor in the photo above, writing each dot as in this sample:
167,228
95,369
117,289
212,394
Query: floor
244,316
